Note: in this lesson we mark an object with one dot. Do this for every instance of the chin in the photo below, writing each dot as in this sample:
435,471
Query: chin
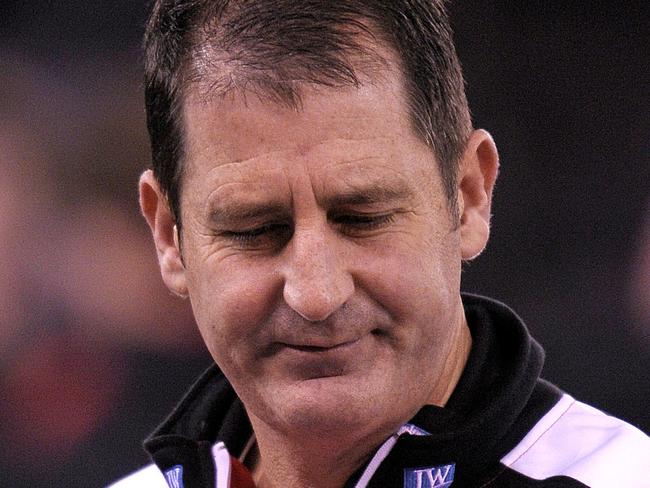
334,407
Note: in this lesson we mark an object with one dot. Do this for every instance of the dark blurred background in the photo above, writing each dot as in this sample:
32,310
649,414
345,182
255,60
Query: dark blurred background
94,351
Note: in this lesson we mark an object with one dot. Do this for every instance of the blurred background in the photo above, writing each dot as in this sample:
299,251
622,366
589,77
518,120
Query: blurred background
94,351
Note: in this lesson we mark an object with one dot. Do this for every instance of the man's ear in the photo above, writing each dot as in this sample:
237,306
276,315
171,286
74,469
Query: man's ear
155,209
478,172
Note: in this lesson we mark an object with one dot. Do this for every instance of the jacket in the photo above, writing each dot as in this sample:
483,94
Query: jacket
503,426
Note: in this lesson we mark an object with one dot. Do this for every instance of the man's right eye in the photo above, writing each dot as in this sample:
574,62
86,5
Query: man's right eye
266,235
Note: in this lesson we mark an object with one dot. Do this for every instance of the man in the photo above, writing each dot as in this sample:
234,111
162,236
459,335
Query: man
316,186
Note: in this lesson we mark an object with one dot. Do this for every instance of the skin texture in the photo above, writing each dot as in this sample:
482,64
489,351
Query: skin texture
323,267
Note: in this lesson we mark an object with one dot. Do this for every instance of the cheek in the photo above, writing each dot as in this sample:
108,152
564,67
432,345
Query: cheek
413,281
230,305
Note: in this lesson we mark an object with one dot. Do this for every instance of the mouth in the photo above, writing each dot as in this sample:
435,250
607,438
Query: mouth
311,361
320,348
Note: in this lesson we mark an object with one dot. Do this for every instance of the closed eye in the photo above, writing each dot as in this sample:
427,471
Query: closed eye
275,235
262,236
362,222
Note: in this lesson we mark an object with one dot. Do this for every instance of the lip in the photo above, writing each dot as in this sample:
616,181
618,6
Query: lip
309,361
316,347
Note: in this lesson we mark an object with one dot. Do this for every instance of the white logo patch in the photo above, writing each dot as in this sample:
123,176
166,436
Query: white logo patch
435,477
174,476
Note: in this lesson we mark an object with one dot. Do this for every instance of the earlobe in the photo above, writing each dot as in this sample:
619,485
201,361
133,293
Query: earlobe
155,210
478,173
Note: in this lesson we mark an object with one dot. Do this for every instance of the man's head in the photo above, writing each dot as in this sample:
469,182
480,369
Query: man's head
319,250
275,48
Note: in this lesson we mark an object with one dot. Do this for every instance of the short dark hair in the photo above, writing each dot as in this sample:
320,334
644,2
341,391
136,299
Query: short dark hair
273,47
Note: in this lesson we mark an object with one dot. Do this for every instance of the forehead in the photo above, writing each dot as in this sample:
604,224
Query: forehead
344,138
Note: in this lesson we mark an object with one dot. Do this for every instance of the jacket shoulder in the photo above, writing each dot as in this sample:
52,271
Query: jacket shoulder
147,477
581,442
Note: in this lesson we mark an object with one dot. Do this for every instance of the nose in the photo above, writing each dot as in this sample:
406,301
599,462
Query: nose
317,281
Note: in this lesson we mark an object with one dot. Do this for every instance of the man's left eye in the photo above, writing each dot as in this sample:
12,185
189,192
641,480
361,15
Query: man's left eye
363,222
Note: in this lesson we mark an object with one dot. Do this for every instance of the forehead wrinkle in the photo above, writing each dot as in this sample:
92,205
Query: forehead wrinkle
215,147
347,162
232,193
221,185
236,169
355,140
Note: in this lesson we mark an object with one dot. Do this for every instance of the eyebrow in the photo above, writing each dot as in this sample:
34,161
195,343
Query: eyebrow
240,211
359,195
369,194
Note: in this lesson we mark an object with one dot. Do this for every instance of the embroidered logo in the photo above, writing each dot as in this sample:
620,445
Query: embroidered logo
174,476
435,477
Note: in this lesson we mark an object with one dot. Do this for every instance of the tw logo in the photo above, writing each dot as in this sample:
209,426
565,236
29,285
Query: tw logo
174,476
436,477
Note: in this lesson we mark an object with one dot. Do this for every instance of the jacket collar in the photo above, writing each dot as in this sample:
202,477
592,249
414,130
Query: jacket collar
499,397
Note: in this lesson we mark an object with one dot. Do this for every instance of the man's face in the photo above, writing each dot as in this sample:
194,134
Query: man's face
320,258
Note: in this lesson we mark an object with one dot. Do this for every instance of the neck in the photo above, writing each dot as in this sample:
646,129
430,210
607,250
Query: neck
279,461
454,364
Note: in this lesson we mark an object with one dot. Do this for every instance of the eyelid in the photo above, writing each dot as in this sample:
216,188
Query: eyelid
364,221
257,233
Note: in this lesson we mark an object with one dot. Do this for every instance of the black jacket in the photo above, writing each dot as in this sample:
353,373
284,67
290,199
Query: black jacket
503,426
